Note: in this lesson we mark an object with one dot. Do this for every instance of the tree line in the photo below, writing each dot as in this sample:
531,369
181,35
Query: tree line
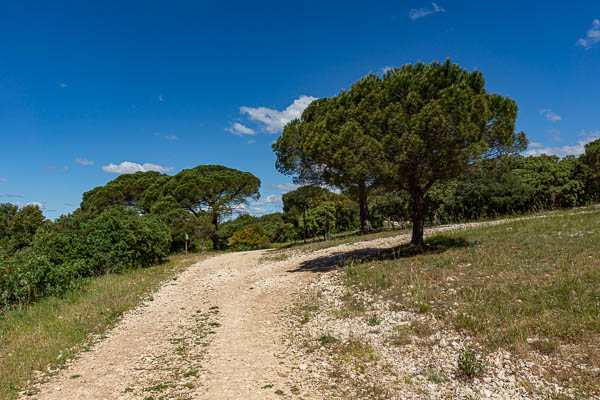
133,221
424,144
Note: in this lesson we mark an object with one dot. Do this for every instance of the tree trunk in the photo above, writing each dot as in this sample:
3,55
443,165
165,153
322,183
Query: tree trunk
215,235
418,217
305,225
365,223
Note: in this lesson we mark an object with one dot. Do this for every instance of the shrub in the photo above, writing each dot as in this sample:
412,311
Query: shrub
79,246
468,364
251,238
29,277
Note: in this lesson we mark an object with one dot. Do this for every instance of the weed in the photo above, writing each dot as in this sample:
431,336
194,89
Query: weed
157,388
373,320
34,336
469,365
326,339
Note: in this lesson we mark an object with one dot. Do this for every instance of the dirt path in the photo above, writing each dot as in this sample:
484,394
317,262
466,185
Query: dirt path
213,333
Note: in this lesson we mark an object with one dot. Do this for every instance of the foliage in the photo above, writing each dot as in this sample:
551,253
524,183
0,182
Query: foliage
335,142
82,245
20,226
251,238
214,190
228,228
469,364
198,228
278,228
130,190
206,195
439,120
591,168
318,211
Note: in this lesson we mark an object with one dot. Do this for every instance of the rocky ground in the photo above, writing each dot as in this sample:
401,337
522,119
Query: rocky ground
261,325
383,352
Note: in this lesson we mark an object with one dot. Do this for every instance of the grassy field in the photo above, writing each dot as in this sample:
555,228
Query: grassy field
43,336
530,286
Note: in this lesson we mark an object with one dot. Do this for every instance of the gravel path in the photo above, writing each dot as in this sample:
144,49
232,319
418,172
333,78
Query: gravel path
216,332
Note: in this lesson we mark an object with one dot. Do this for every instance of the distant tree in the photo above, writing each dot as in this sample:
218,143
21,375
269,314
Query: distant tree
299,201
279,230
183,224
439,120
320,219
22,226
213,189
138,191
250,238
591,160
335,142
7,211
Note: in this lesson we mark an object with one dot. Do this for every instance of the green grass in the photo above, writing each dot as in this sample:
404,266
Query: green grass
536,279
53,330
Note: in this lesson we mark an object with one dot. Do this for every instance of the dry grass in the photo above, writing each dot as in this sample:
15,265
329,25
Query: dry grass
530,286
43,336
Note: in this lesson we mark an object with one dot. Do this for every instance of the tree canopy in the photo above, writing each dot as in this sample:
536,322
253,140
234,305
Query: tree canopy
439,120
213,189
130,190
335,142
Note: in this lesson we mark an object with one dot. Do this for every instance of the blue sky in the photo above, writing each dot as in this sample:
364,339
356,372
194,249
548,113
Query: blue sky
89,90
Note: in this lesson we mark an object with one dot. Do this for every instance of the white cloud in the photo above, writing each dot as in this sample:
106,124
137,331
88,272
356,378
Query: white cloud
386,69
3,180
251,141
55,169
240,130
160,98
536,149
275,120
592,36
550,115
83,161
240,209
284,187
171,137
62,84
270,199
417,13
14,196
127,167
258,211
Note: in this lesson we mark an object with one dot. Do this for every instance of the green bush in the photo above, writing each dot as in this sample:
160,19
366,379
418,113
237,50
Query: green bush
251,238
29,277
82,245
469,365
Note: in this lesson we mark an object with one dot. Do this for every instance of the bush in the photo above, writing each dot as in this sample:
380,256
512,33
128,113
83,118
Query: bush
469,365
29,277
251,238
79,246
118,239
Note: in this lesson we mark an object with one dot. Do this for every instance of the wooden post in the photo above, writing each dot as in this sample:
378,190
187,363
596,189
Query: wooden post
186,243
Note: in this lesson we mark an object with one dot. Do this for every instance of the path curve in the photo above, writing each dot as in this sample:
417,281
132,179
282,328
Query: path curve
215,332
